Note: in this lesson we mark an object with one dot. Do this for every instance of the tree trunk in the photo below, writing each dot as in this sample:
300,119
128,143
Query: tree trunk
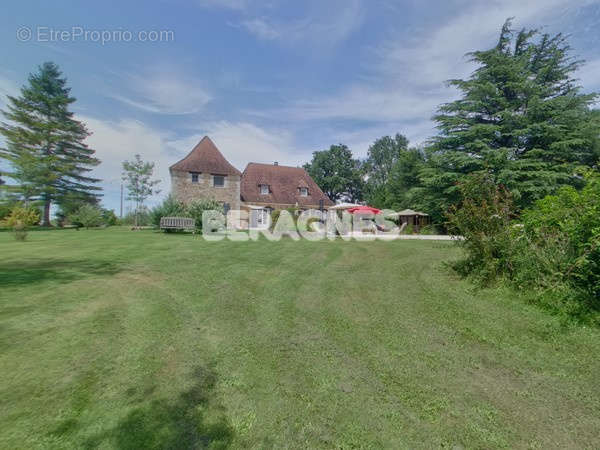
46,218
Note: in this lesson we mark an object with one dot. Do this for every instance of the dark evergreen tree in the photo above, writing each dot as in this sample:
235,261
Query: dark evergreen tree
402,186
522,118
45,144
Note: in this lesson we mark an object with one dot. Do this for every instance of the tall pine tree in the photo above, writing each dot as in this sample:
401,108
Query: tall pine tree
521,117
45,144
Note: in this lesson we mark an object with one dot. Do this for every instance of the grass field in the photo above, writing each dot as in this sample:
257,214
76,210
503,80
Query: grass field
120,339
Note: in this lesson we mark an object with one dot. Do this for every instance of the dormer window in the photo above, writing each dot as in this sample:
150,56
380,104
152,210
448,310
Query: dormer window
264,189
303,192
195,176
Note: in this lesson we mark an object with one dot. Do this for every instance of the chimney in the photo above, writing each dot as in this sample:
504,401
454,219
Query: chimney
275,163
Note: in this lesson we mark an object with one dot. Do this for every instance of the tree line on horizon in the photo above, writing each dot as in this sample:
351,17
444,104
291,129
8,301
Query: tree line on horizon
521,118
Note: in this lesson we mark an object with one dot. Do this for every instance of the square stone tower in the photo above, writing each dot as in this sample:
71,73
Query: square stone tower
205,174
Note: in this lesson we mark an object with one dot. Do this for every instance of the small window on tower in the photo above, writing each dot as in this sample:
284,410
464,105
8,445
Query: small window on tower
218,180
195,177
264,189
304,192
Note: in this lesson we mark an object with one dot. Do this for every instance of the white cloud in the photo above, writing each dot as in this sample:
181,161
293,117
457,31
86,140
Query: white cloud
406,76
7,87
166,92
242,142
261,28
359,140
117,141
436,55
589,75
325,24
369,103
227,4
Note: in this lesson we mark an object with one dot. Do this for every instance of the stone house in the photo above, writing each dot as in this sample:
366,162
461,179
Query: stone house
205,174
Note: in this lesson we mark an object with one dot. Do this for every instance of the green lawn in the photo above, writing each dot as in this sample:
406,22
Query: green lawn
120,339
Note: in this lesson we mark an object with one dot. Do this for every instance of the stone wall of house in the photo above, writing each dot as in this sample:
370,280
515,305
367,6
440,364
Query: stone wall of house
184,190
282,205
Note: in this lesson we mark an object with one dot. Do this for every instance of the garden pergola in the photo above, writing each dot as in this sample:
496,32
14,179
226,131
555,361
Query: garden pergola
416,219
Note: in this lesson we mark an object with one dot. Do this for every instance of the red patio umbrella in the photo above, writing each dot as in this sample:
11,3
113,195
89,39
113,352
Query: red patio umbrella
364,210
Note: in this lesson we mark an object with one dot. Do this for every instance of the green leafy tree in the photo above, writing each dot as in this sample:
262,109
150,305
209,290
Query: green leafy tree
45,144
381,158
337,173
137,175
392,172
521,118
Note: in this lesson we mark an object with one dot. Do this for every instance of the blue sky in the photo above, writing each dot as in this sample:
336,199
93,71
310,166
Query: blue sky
267,81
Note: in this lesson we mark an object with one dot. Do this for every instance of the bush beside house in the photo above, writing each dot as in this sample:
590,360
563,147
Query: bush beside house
171,207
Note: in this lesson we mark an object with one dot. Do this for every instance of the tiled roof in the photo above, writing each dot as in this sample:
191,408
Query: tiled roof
205,157
284,183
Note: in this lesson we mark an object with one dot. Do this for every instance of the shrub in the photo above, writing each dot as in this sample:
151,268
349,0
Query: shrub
554,252
109,218
6,208
143,218
428,229
197,208
274,217
483,219
20,218
294,213
170,207
408,229
566,228
87,216
69,205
